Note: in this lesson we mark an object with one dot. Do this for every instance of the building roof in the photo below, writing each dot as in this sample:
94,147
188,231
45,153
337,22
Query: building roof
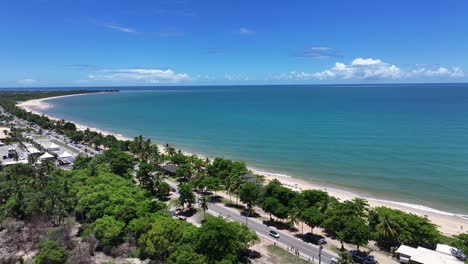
46,156
11,162
2,135
65,154
32,150
426,256
53,146
170,167
408,251
446,249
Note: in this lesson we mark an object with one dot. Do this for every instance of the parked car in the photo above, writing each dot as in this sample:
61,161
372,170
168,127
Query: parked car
314,239
333,261
458,254
274,234
360,257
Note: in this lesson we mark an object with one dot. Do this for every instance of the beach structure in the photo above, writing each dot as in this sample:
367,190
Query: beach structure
169,168
32,150
53,147
66,158
65,154
11,154
46,156
421,255
4,135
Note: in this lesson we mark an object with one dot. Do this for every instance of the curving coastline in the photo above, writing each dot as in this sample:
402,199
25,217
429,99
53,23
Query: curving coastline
449,223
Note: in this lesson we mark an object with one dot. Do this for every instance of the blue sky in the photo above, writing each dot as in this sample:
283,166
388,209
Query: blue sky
180,42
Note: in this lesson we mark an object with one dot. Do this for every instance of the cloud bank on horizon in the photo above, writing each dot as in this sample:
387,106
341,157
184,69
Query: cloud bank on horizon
373,69
70,43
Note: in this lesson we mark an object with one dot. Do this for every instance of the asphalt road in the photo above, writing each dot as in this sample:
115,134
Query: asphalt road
305,249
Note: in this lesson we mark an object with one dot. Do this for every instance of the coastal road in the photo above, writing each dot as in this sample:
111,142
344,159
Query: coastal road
305,249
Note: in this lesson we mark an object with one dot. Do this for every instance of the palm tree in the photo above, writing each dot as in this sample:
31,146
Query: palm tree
204,205
154,155
294,216
387,229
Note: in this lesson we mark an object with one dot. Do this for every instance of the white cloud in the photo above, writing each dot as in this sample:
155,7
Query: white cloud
120,28
372,69
319,52
246,31
235,77
144,75
27,81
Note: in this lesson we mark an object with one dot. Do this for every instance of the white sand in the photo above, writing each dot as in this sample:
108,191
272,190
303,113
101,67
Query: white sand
448,223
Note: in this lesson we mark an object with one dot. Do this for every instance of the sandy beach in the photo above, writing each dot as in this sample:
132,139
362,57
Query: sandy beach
448,223
35,106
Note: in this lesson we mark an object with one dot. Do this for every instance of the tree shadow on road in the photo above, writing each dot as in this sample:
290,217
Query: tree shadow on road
280,225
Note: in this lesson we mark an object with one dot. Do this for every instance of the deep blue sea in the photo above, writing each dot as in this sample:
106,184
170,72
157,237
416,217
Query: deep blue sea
405,142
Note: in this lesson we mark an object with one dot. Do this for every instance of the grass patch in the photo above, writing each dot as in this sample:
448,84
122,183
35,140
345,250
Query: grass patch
284,256
335,249
448,240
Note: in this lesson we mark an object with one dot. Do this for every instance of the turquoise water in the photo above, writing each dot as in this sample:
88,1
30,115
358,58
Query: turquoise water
406,143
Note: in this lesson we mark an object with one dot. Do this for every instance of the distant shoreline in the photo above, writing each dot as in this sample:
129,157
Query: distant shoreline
449,223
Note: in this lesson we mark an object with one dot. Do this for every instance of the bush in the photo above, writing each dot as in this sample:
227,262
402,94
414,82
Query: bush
50,252
108,231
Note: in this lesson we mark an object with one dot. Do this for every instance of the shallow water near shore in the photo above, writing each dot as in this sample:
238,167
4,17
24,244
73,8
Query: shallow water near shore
406,143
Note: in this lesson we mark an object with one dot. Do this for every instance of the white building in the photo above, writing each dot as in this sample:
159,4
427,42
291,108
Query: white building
423,255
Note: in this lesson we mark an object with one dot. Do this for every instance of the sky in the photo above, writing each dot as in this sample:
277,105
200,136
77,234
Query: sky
187,42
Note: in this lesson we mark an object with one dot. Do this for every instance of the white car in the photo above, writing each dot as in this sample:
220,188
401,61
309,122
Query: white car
274,234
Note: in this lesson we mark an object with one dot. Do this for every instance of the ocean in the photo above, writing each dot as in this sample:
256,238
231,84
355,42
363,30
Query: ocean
400,142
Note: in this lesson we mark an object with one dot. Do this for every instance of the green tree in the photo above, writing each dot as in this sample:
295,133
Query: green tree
50,252
345,258
211,184
393,227
461,242
163,189
219,240
356,232
204,205
165,237
186,195
269,205
184,172
249,194
108,231
185,254
144,176
81,162
120,163
312,217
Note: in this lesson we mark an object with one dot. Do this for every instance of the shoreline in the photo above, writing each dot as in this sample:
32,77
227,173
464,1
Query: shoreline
448,223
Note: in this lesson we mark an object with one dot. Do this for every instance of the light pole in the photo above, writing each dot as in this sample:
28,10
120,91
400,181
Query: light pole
320,254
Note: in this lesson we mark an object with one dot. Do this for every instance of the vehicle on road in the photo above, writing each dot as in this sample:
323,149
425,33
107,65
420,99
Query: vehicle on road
274,234
314,239
333,261
360,257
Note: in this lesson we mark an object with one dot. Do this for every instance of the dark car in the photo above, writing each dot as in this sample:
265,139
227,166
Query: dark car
314,239
370,260
360,257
